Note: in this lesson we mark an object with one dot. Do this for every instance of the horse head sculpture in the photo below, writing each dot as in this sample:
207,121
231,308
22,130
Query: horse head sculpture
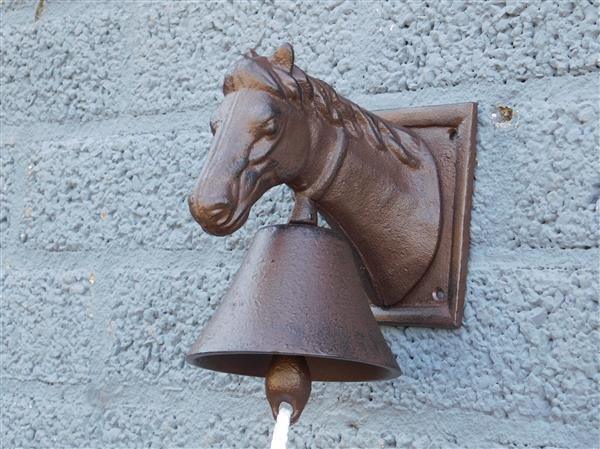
375,182
261,140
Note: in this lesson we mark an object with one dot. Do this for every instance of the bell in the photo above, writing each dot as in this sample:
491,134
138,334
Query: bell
296,311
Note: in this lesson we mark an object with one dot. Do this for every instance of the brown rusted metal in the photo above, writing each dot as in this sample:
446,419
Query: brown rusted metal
288,380
298,292
437,300
395,187
305,211
390,182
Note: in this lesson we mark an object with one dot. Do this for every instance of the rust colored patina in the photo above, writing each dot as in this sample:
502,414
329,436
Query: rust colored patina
395,186
375,180
288,380
437,300
299,292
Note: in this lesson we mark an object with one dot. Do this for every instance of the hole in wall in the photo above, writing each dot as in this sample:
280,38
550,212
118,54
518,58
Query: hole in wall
504,116
506,113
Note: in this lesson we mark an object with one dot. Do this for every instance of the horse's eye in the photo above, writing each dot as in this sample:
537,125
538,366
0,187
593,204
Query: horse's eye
270,127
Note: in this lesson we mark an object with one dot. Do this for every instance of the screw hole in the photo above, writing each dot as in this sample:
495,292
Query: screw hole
452,133
439,294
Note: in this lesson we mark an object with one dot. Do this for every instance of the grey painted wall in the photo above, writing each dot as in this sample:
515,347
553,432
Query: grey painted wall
106,280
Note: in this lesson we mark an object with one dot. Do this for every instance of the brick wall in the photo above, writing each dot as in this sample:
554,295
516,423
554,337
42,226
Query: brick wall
106,279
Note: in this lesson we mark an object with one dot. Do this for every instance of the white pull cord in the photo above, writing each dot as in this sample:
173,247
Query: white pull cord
280,433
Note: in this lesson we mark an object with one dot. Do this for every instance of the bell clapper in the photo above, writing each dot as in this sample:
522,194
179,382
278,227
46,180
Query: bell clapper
288,380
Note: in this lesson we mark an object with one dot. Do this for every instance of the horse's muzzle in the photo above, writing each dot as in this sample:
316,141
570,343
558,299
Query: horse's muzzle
213,217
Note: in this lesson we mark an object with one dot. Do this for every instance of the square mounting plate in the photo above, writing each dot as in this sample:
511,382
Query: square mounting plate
437,300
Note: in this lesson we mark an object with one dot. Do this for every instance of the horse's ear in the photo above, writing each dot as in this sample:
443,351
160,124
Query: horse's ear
251,53
284,57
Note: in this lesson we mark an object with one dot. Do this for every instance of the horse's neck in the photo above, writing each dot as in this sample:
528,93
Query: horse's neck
324,159
351,181
366,180
389,211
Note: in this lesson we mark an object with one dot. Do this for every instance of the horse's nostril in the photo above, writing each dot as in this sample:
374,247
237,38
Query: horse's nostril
218,213
210,214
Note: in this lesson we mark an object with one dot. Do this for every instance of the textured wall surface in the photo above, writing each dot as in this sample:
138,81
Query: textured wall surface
106,279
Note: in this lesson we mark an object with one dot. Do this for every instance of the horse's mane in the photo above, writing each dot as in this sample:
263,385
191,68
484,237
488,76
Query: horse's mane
259,73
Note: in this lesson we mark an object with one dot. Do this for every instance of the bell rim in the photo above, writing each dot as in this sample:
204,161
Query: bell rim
391,372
